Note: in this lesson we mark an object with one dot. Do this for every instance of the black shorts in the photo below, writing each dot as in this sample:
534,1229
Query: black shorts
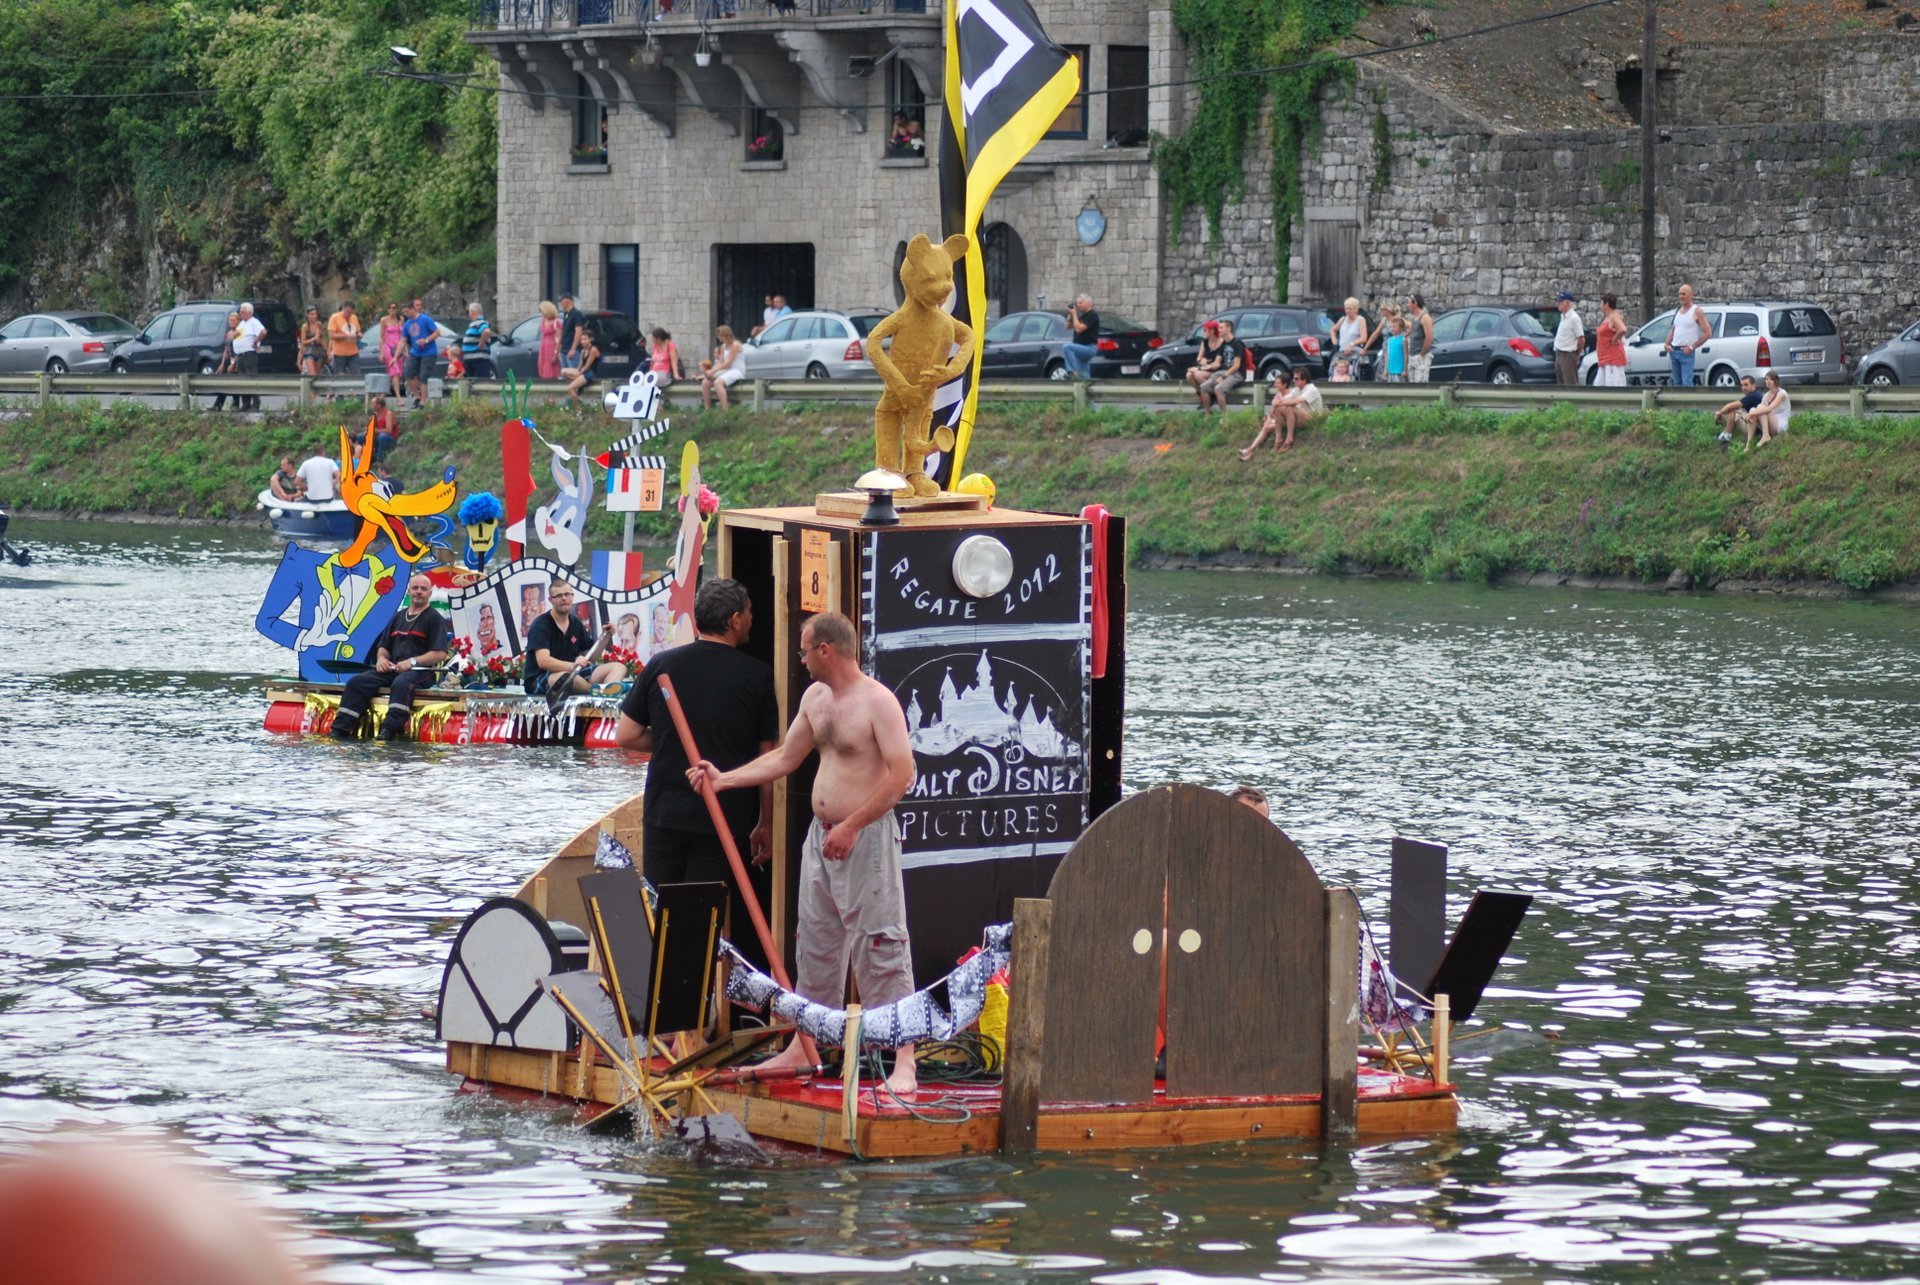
420,365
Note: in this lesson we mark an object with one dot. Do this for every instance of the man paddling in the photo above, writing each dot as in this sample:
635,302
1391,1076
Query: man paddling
735,717
851,901
407,655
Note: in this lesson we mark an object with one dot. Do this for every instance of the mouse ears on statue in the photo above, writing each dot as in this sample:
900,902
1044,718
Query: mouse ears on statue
638,398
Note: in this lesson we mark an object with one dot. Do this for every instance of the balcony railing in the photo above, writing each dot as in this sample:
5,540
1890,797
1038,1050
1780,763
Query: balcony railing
541,15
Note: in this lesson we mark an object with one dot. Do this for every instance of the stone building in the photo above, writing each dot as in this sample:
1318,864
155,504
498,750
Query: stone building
679,161
1794,184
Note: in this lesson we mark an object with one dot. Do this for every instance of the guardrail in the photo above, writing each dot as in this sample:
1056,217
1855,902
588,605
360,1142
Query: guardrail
1842,399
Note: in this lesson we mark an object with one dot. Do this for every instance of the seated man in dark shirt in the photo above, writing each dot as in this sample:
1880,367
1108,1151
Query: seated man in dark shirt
407,655
728,698
1736,412
561,651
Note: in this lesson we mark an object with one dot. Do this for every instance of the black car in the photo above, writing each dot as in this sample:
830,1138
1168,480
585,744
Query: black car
189,338
1026,345
1280,337
619,341
1492,345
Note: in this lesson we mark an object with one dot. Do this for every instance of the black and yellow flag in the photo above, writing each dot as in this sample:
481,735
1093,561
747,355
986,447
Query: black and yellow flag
1006,85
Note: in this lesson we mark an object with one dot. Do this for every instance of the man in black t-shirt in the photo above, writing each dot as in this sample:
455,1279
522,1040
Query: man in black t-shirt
729,701
561,651
407,655
1083,343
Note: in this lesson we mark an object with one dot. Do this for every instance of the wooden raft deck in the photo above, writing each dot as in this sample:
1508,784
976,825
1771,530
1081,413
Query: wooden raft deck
808,1114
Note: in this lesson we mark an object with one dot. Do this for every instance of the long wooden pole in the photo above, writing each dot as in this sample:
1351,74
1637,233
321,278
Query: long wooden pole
776,964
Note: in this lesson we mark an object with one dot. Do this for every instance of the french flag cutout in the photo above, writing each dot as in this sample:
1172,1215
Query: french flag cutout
623,490
619,570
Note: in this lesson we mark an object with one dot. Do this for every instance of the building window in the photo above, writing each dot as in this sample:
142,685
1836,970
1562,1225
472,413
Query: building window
1072,122
589,126
1127,94
559,271
765,139
907,131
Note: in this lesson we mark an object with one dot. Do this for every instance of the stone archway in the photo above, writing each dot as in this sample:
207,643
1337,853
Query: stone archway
1005,258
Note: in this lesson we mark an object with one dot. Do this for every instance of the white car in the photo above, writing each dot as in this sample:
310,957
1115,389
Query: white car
1797,340
816,344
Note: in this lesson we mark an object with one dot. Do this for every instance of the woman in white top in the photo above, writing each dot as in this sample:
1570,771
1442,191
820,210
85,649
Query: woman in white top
1773,412
1350,333
723,371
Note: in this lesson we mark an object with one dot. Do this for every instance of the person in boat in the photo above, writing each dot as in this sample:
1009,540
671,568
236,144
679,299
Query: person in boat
320,476
562,653
407,655
734,714
1252,797
287,484
852,901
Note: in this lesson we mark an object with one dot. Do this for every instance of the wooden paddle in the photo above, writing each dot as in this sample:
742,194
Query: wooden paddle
775,963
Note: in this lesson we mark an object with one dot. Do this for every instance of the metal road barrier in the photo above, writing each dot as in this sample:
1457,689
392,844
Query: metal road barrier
1838,399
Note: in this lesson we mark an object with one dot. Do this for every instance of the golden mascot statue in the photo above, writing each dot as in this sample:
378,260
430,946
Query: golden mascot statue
922,358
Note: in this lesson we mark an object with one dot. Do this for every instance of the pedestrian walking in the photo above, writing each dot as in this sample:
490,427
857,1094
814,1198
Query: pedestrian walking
1419,340
393,348
547,362
422,334
313,343
247,334
1569,341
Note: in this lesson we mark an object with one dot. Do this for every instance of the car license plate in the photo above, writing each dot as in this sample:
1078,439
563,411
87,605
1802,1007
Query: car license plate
1806,355
1129,370
266,348
614,360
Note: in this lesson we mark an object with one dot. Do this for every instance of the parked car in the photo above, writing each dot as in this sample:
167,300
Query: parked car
58,342
370,362
1796,340
1280,337
1896,361
189,337
820,343
518,353
1026,345
1497,344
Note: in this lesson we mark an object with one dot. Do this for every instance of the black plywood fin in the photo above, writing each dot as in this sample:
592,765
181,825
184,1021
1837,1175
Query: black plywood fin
1485,932
1417,912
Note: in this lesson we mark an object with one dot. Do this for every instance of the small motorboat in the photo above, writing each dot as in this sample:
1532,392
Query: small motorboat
327,520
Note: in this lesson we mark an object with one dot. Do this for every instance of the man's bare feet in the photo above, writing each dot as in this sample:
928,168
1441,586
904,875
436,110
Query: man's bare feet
788,1058
906,1077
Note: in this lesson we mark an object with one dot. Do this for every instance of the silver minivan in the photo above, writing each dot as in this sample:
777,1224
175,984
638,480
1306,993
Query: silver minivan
1796,340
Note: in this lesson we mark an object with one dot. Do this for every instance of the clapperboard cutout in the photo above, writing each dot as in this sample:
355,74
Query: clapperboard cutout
638,485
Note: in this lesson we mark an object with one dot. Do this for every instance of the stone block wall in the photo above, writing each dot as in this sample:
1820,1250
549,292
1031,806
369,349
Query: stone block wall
1201,275
1806,210
1859,78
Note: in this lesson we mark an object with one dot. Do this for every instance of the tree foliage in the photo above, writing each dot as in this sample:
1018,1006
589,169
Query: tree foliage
165,103
1229,43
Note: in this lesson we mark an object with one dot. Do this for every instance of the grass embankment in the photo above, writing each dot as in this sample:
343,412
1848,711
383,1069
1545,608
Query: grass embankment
1428,492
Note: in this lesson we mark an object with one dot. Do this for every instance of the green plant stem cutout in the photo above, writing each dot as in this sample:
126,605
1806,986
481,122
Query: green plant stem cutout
1204,167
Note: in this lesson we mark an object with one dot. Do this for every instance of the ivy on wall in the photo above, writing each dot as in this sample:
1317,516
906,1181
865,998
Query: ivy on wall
1204,167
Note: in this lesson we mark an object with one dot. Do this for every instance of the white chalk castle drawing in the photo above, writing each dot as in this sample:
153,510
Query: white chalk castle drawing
974,717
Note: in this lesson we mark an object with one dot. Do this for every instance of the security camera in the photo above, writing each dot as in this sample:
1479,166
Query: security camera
402,56
859,66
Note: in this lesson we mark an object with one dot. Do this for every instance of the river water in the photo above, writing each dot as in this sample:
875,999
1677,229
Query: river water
1708,1069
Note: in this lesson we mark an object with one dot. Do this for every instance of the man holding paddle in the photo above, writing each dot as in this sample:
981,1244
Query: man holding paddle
407,655
852,902
735,718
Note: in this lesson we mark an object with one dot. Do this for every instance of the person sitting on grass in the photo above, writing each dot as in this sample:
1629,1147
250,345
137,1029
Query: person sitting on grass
1738,413
584,371
1293,410
1773,412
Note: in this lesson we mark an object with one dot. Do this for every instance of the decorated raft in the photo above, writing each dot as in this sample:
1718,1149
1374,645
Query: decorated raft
1013,689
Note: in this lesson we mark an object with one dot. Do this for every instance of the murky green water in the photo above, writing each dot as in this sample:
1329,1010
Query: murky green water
230,936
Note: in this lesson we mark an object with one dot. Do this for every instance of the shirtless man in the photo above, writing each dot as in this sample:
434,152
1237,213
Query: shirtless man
851,898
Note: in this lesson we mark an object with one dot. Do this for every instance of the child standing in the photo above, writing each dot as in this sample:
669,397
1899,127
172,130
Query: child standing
1396,351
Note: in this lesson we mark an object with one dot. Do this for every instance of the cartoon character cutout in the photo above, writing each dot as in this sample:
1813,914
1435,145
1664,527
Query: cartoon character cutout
383,512
560,525
341,609
929,348
637,399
